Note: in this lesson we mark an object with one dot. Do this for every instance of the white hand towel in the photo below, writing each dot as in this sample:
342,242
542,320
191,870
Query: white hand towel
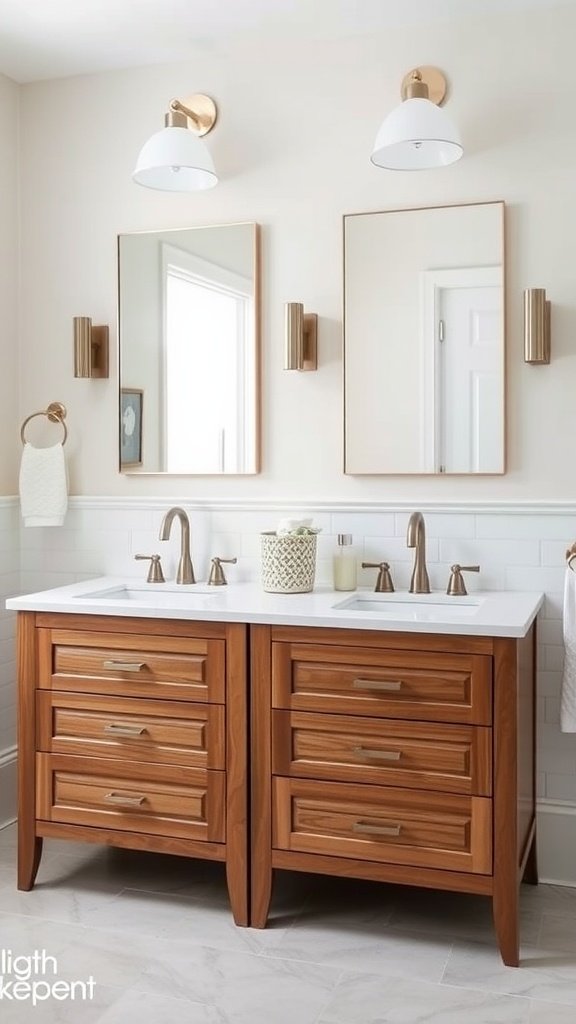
43,486
568,703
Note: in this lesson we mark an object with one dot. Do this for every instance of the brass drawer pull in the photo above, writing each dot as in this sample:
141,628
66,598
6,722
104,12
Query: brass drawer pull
125,798
377,684
383,755
115,729
379,830
125,666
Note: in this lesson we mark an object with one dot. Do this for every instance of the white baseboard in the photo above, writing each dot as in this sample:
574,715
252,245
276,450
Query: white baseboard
556,842
7,786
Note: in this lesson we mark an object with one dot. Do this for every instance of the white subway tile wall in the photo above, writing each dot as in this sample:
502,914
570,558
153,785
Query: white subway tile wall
520,550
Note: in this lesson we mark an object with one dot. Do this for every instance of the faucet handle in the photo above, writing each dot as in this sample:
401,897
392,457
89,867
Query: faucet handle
384,583
217,577
456,586
155,574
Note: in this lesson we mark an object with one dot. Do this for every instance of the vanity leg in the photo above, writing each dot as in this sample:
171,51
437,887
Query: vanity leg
237,893
237,862
505,908
29,854
29,844
261,896
505,890
261,796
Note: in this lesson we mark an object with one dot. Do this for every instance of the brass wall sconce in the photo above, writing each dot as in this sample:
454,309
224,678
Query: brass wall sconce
417,134
90,348
301,338
536,326
175,159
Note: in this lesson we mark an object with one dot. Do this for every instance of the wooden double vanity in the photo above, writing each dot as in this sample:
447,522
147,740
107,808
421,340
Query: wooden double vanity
391,754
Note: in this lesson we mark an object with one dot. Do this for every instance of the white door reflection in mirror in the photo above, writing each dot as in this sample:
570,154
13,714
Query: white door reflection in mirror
207,324
189,339
424,340
462,365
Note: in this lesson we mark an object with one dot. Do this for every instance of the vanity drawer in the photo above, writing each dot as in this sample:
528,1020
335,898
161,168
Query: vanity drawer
155,799
126,728
425,685
139,665
449,758
395,826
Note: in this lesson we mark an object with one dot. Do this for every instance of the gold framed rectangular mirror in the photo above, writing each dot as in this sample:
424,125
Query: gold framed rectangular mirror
424,342
189,345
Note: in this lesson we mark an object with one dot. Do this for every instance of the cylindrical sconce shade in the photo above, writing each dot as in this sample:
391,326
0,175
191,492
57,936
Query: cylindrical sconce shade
294,336
82,346
536,326
90,348
300,338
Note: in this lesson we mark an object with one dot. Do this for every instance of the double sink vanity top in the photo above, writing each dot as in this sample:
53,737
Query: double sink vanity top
495,613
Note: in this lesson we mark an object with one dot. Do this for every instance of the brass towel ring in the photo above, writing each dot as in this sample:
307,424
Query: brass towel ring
570,556
56,413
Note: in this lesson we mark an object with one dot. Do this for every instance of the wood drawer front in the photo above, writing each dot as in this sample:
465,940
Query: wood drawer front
448,758
174,668
153,799
126,728
394,684
395,826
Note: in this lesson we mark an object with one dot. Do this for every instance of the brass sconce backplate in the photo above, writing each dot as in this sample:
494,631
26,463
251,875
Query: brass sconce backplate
204,110
433,78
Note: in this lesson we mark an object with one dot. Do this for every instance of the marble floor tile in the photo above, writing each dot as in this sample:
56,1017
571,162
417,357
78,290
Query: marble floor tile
552,899
146,1009
544,974
550,1013
558,931
93,1011
9,835
372,999
459,915
245,988
169,916
58,900
344,942
157,935
138,870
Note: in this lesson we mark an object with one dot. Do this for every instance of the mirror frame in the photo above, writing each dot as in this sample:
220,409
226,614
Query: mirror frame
505,429
257,265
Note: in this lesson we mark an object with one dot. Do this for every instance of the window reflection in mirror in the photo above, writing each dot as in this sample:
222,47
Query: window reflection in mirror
424,340
189,340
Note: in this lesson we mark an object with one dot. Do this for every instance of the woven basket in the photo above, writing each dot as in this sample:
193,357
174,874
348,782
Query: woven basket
288,563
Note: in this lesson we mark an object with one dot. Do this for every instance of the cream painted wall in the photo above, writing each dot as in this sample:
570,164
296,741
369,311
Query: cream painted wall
8,282
292,146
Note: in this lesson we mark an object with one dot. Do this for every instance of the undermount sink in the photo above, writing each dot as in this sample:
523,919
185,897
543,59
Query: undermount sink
155,594
412,607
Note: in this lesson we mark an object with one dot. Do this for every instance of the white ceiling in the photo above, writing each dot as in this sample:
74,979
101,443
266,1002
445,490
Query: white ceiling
55,38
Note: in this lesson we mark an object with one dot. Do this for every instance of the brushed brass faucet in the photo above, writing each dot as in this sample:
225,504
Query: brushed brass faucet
416,538
185,572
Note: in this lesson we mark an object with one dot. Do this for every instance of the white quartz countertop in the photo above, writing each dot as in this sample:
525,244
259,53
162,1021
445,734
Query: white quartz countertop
482,613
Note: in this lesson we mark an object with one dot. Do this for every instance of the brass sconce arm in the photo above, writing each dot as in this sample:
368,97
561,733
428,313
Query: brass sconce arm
199,109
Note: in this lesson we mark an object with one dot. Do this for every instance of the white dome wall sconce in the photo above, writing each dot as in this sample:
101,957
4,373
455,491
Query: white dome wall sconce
418,134
175,159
